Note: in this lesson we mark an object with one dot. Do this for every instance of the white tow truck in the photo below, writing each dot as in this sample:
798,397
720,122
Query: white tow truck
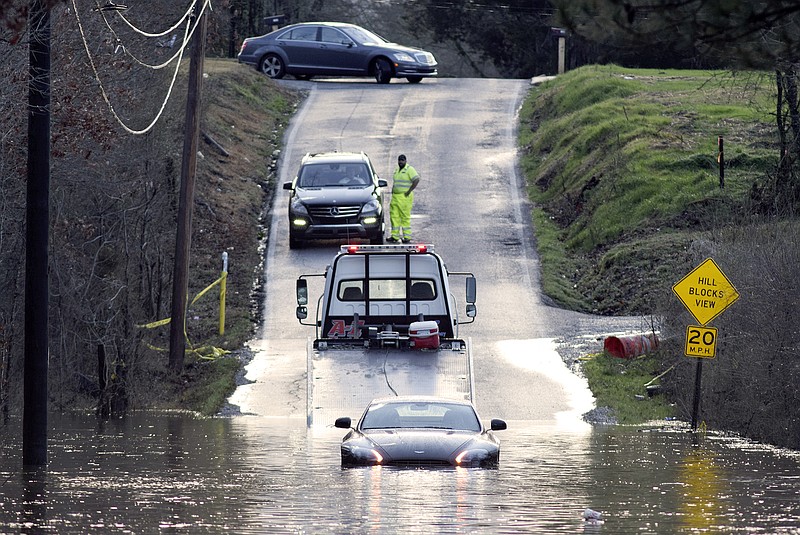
386,324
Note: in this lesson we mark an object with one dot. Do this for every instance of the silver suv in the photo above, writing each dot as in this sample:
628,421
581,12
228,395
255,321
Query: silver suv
336,195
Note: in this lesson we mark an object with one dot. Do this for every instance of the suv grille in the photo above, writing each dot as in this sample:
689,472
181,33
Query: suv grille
334,214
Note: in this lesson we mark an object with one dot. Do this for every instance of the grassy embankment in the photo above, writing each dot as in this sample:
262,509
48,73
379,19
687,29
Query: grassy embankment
246,114
621,165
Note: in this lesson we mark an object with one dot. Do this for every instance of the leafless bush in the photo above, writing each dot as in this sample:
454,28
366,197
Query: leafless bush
112,195
751,385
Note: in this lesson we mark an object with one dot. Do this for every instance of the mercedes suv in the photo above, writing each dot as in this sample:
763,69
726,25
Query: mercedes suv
338,196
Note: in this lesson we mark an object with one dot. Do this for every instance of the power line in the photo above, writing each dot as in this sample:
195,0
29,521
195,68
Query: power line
127,52
189,32
165,32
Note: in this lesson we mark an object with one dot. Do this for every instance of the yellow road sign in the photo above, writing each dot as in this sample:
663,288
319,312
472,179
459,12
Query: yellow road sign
706,291
701,342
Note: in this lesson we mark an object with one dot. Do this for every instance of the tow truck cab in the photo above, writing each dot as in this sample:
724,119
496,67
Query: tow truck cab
386,294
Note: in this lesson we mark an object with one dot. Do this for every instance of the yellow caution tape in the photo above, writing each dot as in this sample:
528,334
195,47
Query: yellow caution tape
154,324
201,294
212,352
165,321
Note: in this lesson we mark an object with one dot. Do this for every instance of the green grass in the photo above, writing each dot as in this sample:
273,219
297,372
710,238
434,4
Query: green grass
621,168
615,155
621,384
212,382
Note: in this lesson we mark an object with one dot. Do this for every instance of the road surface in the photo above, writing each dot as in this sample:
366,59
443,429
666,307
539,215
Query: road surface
460,136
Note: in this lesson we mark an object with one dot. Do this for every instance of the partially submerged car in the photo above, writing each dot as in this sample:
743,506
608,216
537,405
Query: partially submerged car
335,49
420,430
336,195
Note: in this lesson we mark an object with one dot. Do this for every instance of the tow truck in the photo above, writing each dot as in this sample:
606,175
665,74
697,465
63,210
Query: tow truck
386,323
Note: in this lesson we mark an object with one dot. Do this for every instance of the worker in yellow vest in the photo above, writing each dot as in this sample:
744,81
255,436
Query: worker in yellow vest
404,182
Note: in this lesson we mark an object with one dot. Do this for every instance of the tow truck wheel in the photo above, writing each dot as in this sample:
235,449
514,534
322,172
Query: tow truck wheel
378,240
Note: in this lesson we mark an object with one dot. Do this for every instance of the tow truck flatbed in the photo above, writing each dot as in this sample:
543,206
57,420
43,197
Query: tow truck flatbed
374,373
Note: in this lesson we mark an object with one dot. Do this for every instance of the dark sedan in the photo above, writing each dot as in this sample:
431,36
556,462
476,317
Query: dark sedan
334,49
420,430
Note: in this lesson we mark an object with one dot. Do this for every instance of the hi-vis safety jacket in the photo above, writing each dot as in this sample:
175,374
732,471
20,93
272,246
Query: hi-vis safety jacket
402,179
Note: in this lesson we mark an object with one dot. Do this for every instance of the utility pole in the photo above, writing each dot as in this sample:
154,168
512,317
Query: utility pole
37,221
183,239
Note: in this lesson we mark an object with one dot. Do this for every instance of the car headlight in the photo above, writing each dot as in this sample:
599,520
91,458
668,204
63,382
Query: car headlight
367,455
402,56
371,207
471,456
298,208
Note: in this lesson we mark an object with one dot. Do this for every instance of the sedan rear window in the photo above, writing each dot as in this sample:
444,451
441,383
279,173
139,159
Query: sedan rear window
304,33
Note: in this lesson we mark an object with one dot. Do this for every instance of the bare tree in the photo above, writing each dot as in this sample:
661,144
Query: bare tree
751,34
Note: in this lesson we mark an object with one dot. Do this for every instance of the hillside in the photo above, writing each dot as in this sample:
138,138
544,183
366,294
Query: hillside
622,165
622,169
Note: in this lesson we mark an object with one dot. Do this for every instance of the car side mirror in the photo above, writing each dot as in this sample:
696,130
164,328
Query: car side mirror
302,292
287,185
301,313
498,424
343,422
382,183
472,293
472,289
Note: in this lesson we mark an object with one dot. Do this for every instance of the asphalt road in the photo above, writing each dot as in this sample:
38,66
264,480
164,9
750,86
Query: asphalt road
460,136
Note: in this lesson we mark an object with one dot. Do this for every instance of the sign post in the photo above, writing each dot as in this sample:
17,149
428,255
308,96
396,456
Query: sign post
705,292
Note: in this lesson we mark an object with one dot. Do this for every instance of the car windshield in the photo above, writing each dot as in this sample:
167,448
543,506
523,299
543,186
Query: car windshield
416,414
333,175
364,37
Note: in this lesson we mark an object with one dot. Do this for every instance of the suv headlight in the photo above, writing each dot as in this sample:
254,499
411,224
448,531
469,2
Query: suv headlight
371,207
298,208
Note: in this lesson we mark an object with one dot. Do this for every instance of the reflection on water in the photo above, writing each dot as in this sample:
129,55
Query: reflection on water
175,473
704,492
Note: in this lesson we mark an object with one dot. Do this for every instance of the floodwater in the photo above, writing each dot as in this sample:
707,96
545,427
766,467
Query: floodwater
175,473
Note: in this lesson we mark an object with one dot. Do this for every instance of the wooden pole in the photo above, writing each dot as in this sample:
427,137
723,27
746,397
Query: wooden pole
37,221
180,279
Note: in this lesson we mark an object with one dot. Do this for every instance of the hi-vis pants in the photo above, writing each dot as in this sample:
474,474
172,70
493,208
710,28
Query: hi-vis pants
400,215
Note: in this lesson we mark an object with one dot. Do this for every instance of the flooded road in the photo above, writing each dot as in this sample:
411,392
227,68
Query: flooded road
264,471
173,473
